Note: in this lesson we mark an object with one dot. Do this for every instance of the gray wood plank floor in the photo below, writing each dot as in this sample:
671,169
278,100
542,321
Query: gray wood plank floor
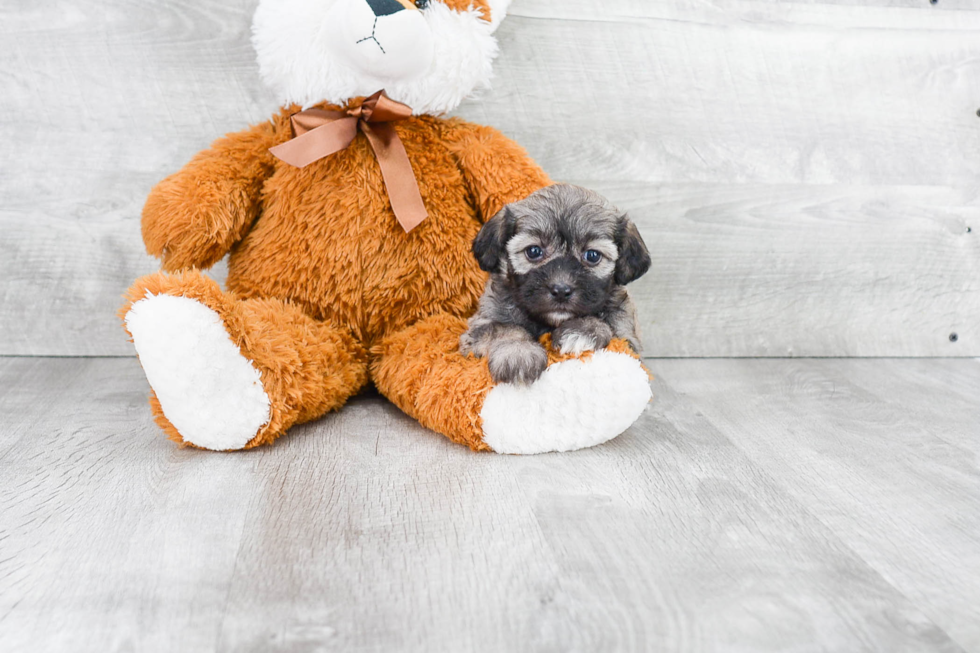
803,505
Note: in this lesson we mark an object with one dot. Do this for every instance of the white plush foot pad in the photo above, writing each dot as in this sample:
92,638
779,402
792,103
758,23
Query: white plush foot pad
574,404
210,392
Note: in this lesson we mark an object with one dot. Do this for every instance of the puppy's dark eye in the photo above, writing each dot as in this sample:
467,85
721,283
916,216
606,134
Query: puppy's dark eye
592,257
534,253
421,4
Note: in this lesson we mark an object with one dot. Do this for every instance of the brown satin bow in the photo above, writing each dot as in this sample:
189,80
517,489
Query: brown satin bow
319,133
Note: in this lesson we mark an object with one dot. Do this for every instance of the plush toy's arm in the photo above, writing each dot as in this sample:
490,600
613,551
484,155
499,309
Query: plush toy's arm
497,170
193,217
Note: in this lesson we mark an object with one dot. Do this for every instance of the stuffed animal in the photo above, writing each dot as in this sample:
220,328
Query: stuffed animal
349,218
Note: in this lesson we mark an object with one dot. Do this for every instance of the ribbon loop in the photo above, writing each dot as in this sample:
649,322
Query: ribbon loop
319,133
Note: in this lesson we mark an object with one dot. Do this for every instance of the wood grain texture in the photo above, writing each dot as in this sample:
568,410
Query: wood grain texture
809,166
757,505
101,100
887,462
794,270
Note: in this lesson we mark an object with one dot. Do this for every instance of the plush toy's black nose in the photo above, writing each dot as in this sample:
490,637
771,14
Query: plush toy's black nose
561,291
385,7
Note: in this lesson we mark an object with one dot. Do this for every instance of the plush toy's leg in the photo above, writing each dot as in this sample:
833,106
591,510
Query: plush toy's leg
578,402
233,374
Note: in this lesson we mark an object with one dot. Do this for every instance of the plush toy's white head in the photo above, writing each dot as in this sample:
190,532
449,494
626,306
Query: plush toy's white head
429,54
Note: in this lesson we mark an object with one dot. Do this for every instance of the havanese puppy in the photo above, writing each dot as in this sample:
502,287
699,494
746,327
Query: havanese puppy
559,261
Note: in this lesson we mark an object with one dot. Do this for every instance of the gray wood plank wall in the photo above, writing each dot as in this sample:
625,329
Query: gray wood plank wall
805,172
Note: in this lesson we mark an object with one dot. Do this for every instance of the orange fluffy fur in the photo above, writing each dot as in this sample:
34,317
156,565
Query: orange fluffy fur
325,289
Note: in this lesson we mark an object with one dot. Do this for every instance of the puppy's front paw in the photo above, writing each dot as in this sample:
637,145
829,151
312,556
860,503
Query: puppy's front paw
517,361
581,334
576,343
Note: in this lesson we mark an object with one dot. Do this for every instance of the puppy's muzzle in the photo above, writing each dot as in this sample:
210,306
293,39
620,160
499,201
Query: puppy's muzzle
560,282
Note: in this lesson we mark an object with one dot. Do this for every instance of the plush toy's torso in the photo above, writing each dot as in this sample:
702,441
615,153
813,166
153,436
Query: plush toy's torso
326,237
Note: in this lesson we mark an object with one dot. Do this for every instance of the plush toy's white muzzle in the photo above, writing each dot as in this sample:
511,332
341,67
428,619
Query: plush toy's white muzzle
384,39
312,51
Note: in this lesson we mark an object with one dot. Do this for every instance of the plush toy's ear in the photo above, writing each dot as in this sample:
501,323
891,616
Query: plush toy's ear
634,258
490,245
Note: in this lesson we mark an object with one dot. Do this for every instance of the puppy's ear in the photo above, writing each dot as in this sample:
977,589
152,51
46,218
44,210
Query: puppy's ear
634,258
490,245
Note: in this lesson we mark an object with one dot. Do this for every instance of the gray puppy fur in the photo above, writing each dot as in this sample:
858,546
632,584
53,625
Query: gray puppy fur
559,261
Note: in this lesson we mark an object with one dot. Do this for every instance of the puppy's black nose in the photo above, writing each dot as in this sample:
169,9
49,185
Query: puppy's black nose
561,291
385,7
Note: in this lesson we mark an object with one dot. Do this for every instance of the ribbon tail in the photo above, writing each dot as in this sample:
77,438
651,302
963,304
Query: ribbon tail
317,143
396,169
